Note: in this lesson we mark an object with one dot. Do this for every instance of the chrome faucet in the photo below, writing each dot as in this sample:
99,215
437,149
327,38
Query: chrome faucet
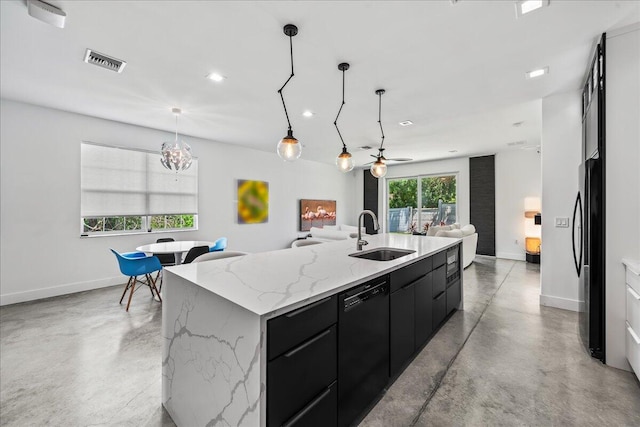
361,242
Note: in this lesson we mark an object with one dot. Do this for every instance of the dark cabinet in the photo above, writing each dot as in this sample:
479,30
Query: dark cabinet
328,361
322,411
454,292
284,332
423,311
439,309
402,328
302,348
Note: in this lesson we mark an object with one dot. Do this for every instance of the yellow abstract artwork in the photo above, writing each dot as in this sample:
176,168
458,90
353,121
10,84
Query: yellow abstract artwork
253,202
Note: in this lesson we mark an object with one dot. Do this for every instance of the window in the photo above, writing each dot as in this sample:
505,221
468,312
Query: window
129,191
416,203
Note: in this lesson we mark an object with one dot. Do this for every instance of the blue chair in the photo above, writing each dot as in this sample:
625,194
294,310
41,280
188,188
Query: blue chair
134,264
219,245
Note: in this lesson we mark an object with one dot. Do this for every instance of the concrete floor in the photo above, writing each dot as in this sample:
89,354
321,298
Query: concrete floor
81,360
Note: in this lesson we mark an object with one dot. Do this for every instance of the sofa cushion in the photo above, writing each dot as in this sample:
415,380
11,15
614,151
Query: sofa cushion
450,233
468,229
433,230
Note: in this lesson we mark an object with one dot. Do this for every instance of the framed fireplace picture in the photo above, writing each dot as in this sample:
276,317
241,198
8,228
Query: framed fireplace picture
317,213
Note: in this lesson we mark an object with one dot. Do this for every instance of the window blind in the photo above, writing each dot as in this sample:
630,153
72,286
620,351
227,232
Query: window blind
123,182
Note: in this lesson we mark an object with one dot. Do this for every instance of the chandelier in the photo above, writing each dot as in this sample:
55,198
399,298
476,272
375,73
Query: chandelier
176,155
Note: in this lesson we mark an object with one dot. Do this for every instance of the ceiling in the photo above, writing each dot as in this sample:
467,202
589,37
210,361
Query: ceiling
456,69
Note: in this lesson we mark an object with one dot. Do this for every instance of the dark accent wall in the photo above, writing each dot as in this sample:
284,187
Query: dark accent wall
370,199
482,189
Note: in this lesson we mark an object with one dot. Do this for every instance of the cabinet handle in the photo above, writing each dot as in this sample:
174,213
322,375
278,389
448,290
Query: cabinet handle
308,307
633,293
308,343
309,407
633,335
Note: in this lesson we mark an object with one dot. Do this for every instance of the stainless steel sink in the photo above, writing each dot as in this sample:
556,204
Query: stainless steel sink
382,254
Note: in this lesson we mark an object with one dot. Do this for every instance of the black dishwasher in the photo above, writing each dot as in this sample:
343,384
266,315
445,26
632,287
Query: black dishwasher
363,348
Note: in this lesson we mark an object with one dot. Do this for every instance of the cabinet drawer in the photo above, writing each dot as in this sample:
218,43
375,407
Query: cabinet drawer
296,377
439,259
633,309
439,309
439,280
322,411
453,296
288,330
423,311
410,273
402,327
633,349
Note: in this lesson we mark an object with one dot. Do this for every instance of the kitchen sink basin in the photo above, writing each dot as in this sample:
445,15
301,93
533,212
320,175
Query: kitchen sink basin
382,254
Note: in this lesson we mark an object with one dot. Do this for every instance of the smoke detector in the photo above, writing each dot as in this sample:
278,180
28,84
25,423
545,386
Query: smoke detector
104,61
46,13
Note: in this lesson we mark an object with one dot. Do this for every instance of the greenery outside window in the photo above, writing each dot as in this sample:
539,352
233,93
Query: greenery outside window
416,203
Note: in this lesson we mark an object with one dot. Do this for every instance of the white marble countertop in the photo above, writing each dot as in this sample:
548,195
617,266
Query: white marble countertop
271,283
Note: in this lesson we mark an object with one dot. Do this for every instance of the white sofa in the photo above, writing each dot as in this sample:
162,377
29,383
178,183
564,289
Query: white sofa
334,232
467,234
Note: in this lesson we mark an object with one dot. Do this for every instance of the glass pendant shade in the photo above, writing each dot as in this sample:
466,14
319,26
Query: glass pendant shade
344,161
379,168
289,149
176,155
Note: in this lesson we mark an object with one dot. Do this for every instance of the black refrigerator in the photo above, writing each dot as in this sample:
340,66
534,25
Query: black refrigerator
589,211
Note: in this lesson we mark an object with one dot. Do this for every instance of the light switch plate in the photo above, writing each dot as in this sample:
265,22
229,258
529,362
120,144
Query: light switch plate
562,222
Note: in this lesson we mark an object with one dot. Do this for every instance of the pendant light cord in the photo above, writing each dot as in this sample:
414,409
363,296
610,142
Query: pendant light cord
335,122
380,117
285,83
176,127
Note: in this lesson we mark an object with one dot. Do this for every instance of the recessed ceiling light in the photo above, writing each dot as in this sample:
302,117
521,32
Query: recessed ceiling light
406,123
517,124
537,73
308,113
525,6
365,147
216,77
453,151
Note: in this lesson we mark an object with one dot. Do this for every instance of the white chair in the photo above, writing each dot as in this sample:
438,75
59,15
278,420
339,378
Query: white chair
218,255
304,242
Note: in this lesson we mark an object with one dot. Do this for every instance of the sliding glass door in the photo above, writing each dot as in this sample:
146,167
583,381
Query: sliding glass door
416,203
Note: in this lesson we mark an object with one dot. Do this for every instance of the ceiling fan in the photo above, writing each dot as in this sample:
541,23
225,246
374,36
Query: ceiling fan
379,167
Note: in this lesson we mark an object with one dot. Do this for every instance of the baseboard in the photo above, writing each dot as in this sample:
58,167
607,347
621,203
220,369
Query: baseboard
70,288
513,256
557,302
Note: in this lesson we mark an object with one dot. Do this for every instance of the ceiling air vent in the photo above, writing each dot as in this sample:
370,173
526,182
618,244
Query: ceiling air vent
516,143
104,61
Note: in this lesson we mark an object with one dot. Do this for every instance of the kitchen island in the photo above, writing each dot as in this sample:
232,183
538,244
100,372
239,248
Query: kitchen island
228,325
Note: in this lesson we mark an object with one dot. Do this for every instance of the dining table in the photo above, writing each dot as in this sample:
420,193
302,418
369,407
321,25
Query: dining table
177,248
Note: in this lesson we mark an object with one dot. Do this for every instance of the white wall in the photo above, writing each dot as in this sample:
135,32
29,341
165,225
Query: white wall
42,253
622,157
517,177
561,152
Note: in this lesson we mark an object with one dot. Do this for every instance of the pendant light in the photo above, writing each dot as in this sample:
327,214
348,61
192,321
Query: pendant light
379,167
289,149
344,161
176,155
